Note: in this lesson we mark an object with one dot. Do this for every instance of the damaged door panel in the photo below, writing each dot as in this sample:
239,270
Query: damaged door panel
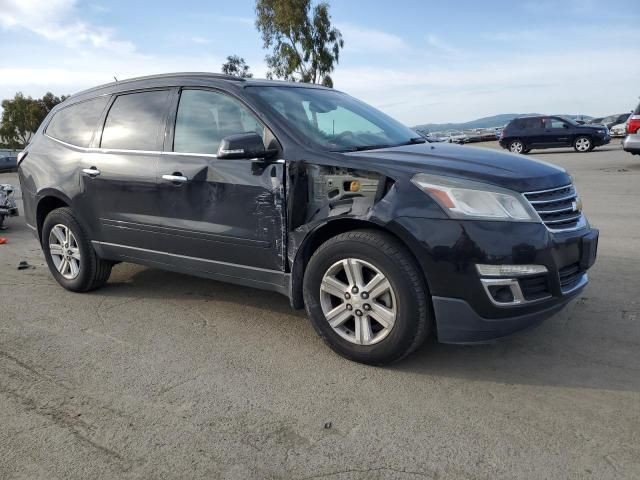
226,210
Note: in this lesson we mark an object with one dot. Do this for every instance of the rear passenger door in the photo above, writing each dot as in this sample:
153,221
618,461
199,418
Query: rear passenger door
119,173
227,215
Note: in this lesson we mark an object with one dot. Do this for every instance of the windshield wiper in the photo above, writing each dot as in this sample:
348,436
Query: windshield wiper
415,141
360,148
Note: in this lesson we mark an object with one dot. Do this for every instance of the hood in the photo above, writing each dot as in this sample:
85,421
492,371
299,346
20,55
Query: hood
507,170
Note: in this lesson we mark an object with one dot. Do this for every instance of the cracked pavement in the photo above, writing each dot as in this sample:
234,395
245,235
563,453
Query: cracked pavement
160,375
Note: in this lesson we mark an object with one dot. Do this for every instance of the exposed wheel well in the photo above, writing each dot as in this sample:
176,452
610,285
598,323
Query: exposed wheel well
45,206
320,236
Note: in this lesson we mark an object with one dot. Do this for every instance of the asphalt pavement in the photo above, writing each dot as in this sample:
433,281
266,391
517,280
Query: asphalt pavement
161,375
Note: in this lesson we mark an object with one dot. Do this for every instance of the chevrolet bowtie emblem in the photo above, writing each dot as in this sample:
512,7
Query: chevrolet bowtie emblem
577,205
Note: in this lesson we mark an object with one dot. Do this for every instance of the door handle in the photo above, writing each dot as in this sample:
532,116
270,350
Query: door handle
175,177
92,172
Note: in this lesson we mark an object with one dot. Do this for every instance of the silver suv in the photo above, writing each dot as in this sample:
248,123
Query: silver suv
631,143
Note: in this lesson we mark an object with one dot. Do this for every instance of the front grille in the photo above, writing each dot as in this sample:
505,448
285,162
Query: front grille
570,276
535,287
558,208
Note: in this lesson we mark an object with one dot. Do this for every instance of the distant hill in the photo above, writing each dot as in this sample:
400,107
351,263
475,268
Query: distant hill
486,122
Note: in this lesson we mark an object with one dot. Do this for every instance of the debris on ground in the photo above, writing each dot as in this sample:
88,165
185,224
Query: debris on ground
3,241
23,265
8,207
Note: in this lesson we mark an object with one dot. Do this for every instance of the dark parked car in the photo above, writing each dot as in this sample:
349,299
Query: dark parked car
612,120
305,191
8,164
523,134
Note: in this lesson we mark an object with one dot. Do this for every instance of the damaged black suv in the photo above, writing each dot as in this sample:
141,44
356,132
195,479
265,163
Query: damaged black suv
303,190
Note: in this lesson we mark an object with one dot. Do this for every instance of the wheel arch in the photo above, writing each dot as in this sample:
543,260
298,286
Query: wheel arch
49,200
330,229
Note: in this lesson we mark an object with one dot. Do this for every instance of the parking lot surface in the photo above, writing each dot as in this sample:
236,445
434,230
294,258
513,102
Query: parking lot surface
160,375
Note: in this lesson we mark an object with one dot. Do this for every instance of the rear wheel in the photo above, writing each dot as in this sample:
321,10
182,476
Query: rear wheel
70,256
366,298
583,144
516,146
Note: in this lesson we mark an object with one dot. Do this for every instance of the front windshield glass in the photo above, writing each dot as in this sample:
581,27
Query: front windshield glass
334,120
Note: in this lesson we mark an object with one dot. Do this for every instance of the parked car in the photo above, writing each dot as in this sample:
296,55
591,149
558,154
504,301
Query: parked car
523,134
303,190
612,120
631,143
619,130
455,136
8,164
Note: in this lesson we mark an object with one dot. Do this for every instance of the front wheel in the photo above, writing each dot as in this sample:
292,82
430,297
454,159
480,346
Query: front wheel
70,256
516,146
366,298
582,144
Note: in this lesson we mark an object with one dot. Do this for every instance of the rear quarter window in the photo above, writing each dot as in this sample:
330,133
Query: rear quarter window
75,124
637,110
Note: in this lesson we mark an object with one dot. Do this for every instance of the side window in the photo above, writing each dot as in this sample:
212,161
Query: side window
553,123
532,123
204,118
75,124
136,121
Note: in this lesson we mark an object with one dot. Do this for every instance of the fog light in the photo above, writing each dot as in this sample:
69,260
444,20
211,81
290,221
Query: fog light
501,294
510,270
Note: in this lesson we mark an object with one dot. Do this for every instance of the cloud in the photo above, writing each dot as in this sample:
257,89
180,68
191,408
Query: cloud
462,90
441,46
359,39
56,20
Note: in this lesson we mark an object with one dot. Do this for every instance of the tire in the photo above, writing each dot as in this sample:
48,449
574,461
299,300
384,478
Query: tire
406,297
583,144
516,146
84,270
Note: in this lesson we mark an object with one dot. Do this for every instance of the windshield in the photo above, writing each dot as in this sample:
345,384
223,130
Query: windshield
334,120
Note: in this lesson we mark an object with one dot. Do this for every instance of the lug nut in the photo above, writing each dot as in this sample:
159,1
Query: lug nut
364,295
359,313
354,290
349,306
367,307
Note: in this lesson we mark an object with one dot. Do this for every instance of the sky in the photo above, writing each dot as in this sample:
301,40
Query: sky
418,61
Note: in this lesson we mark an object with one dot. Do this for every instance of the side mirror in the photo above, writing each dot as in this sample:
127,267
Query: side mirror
242,145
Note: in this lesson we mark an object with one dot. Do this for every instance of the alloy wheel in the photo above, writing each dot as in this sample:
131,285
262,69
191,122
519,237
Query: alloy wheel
516,147
64,251
358,301
583,144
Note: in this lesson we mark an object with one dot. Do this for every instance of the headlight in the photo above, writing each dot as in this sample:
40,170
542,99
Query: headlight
600,131
466,199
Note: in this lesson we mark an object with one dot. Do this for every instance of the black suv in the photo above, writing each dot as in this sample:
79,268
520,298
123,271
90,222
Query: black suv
303,190
523,134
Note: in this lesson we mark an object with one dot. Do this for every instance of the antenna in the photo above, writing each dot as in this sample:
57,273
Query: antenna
114,77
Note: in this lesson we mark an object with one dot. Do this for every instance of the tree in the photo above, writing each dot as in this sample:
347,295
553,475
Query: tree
237,67
305,47
22,116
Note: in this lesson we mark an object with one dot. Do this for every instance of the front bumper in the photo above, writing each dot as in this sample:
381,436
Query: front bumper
600,141
631,143
449,251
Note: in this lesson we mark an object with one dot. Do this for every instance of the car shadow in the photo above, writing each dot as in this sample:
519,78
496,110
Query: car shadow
551,355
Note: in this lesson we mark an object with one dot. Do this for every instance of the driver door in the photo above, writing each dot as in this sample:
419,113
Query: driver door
227,214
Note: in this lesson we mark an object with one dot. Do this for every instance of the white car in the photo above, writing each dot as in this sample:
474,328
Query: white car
455,136
619,130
